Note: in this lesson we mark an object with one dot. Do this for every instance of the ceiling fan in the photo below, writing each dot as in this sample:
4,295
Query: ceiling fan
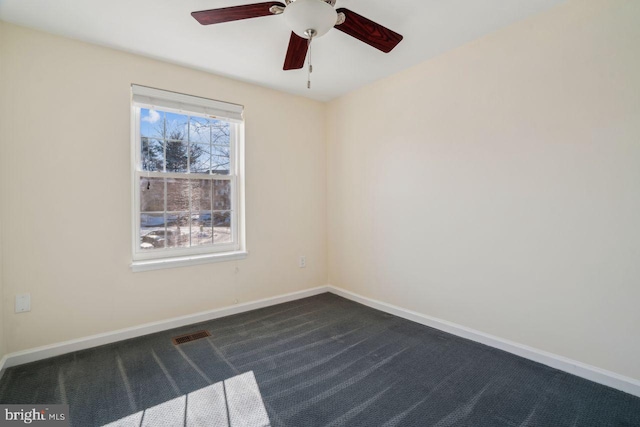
308,19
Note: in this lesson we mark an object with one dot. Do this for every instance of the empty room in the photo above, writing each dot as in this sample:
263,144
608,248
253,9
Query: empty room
306,213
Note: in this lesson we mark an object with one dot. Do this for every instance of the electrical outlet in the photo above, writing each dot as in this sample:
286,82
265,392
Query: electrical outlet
302,262
23,303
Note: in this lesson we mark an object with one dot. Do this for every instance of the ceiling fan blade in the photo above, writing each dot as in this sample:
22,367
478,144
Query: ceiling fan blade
234,13
368,31
296,53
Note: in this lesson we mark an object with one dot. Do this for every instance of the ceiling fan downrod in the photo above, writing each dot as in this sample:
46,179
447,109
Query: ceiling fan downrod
309,33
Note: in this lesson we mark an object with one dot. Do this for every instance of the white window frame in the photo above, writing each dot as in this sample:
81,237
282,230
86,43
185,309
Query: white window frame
194,107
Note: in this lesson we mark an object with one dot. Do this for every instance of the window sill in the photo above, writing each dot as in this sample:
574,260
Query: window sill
157,264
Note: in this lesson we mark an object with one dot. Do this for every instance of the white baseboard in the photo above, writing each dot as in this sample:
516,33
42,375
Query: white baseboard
39,353
592,373
3,361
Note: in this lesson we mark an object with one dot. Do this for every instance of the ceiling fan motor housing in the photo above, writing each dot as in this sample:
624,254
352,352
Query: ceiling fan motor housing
304,15
331,2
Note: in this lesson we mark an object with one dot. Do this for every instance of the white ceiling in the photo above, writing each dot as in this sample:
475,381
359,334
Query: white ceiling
253,50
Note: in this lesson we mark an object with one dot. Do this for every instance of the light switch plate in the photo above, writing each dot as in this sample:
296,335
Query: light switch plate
23,303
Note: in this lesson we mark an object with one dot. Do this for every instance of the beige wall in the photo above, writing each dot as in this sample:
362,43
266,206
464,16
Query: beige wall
2,341
66,192
498,186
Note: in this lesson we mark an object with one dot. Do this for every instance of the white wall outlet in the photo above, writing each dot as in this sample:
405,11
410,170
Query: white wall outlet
23,303
302,262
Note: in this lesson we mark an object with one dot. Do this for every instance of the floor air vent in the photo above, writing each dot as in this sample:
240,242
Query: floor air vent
190,337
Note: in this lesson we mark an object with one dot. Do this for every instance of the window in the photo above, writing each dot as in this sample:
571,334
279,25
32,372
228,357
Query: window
187,179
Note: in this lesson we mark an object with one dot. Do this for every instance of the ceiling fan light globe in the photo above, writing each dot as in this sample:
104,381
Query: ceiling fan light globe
303,15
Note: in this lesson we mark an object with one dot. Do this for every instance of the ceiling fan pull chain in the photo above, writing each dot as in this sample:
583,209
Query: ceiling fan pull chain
310,70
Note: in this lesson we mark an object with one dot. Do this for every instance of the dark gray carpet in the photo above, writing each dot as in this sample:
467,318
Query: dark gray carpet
319,361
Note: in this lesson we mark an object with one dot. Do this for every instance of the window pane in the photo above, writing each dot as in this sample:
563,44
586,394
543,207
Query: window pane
152,155
222,227
220,132
220,165
177,157
200,157
178,230
221,195
220,159
220,150
201,218
152,231
176,126
151,123
177,195
200,195
151,194
201,228
200,130
152,221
